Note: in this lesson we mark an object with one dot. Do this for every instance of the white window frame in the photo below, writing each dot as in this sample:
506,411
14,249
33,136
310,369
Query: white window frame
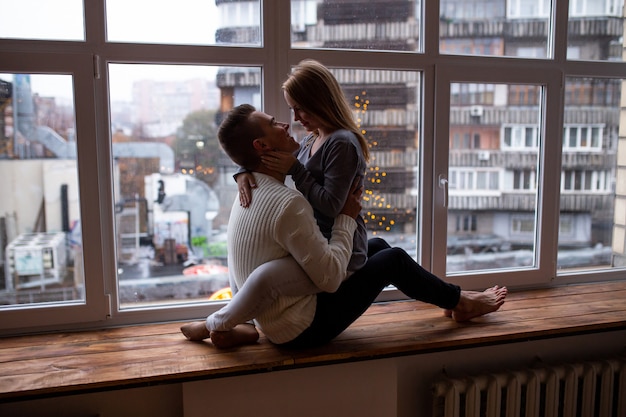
468,180
582,144
592,181
524,176
518,137
88,60
95,307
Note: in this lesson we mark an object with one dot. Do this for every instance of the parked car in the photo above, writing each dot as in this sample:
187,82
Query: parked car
477,243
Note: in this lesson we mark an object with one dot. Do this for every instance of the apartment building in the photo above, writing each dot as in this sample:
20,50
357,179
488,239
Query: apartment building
495,130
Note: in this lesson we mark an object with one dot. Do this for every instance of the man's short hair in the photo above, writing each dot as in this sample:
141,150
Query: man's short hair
236,135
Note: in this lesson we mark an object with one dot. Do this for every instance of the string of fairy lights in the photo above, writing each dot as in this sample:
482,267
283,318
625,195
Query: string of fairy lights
376,175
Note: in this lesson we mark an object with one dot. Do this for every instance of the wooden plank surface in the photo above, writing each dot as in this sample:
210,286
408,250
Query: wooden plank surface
136,355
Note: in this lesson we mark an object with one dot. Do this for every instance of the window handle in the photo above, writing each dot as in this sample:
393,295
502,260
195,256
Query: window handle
443,183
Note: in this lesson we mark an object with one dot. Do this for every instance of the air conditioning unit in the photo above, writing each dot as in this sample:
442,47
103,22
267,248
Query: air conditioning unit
35,260
476,111
483,155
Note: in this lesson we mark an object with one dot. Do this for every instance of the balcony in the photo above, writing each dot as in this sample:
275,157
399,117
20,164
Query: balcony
238,78
599,27
337,12
519,201
589,160
516,159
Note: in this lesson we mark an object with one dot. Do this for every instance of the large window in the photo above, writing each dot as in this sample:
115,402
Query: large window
494,129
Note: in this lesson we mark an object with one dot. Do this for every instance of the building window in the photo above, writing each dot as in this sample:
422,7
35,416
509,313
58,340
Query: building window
584,180
524,180
474,179
522,225
466,223
520,137
583,138
566,226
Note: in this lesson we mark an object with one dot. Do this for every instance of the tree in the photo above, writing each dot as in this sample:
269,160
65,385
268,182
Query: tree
196,147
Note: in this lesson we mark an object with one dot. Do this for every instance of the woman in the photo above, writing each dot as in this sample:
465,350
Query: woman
330,157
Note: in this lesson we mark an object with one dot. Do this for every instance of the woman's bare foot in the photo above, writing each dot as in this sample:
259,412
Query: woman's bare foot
242,334
474,303
196,331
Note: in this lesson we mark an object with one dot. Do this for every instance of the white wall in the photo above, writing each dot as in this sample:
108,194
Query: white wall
25,185
398,387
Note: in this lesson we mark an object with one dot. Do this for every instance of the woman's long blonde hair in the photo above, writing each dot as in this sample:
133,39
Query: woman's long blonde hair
317,92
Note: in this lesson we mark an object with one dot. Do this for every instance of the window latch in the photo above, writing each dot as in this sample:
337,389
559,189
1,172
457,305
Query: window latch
443,184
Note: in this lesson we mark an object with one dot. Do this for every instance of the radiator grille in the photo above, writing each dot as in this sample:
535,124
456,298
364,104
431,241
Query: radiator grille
588,389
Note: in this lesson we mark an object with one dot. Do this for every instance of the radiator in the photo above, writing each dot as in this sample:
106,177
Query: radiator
588,389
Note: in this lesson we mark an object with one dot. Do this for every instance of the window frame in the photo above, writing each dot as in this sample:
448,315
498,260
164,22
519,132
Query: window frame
87,61
95,305
542,272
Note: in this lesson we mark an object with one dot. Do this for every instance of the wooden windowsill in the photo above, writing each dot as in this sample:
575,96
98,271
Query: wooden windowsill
65,363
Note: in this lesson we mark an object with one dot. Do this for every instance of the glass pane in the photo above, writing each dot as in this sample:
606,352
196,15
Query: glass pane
387,109
173,199
40,233
39,19
517,28
593,192
185,22
492,182
357,24
596,30
173,185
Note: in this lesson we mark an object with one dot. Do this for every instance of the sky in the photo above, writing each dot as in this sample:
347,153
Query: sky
127,20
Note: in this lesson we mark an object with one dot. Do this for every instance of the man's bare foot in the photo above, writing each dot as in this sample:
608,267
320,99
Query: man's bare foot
195,331
475,303
242,334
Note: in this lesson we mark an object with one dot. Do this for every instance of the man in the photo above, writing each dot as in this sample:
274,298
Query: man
279,226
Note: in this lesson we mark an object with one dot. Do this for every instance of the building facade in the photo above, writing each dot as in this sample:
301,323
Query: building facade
495,129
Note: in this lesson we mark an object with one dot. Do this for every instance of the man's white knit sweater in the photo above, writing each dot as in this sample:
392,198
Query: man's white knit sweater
279,223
